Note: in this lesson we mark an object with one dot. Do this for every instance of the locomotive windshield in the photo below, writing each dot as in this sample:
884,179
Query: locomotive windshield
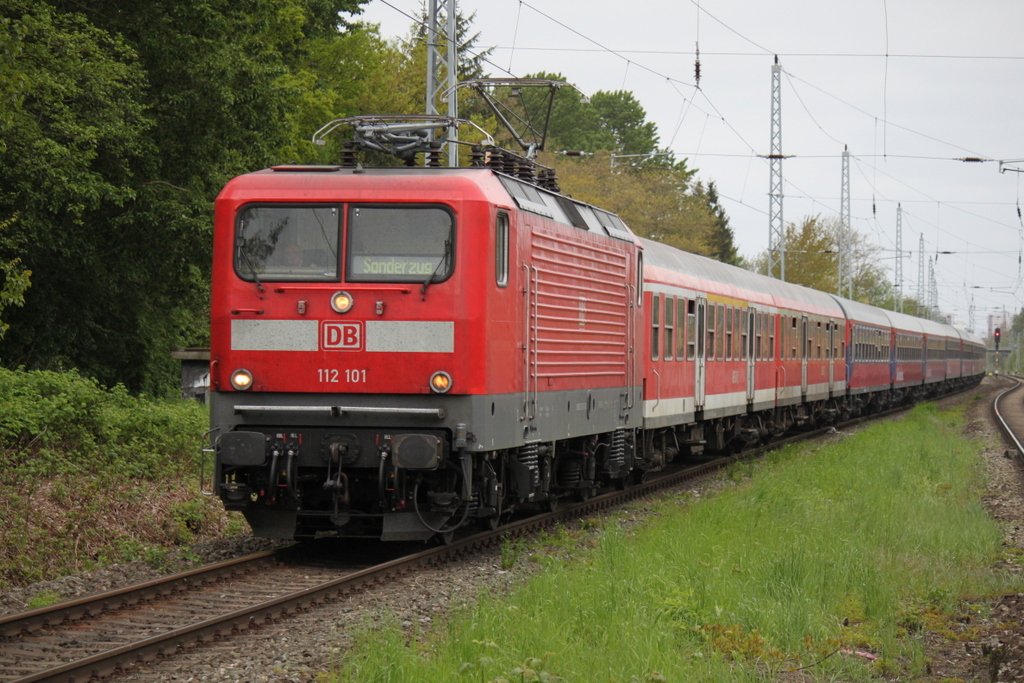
287,243
399,244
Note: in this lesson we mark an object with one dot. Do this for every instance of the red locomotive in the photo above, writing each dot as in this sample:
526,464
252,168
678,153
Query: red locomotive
401,352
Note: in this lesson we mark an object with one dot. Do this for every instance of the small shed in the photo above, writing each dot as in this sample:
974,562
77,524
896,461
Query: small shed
195,372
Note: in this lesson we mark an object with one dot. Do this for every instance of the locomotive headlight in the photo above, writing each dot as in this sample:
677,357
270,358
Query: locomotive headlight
341,302
440,382
241,380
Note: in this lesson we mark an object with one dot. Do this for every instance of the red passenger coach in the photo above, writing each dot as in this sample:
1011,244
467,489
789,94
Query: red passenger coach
734,357
396,351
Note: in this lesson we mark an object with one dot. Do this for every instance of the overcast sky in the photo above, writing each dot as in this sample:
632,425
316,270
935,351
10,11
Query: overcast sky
951,87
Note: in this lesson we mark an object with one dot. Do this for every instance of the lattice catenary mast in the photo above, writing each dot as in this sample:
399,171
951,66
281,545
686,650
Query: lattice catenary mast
442,69
898,279
933,292
920,277
843,246
776,228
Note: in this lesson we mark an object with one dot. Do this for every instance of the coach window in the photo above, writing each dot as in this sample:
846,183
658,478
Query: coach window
501,249
783,327
670,309
746,333
737,324
758,335
691,329
728,333
771,337
793,341
287,243
400,244
783,337
720,353
709,348
681,321
655,325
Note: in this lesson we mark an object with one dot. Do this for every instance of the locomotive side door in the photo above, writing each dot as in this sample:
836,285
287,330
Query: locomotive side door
699,368
528,275
804,343
751,317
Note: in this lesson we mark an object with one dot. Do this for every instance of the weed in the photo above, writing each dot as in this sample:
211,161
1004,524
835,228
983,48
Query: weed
44,599
510,549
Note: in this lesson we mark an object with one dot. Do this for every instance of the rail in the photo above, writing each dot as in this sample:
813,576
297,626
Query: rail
999,415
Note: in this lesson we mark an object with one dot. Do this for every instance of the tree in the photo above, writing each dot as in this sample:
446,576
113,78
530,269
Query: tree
621,116
133,117
720,241
812,260
656,203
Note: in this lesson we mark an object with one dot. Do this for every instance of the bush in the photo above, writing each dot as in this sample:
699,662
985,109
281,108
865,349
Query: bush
60,422
94,476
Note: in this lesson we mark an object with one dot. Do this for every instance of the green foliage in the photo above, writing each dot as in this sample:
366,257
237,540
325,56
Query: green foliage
655,203
607,121
119,123
16,281
812,260
93,476
623,118
44,599
721,242
12,81
53,423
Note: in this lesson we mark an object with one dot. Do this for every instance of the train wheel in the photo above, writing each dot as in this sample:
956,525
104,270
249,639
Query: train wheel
445,537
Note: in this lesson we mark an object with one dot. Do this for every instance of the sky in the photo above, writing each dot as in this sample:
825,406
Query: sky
910,87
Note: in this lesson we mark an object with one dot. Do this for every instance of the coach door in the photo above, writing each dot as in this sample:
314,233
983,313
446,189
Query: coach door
699,369
804,337
831,341
751,314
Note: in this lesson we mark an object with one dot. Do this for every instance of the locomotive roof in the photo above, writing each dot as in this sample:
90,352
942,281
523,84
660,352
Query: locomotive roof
319,183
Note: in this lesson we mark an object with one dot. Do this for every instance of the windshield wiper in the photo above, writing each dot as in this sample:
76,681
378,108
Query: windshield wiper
443,260
255,277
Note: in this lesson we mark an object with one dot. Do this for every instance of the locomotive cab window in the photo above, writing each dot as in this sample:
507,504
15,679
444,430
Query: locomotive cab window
287,243
400,244
501,249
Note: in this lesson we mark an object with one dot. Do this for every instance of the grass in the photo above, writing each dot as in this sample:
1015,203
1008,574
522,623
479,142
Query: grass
817,554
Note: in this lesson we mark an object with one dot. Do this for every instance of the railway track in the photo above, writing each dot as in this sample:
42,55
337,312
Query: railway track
110,633
1008,410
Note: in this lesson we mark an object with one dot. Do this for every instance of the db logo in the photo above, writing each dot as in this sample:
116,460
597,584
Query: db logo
342,336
